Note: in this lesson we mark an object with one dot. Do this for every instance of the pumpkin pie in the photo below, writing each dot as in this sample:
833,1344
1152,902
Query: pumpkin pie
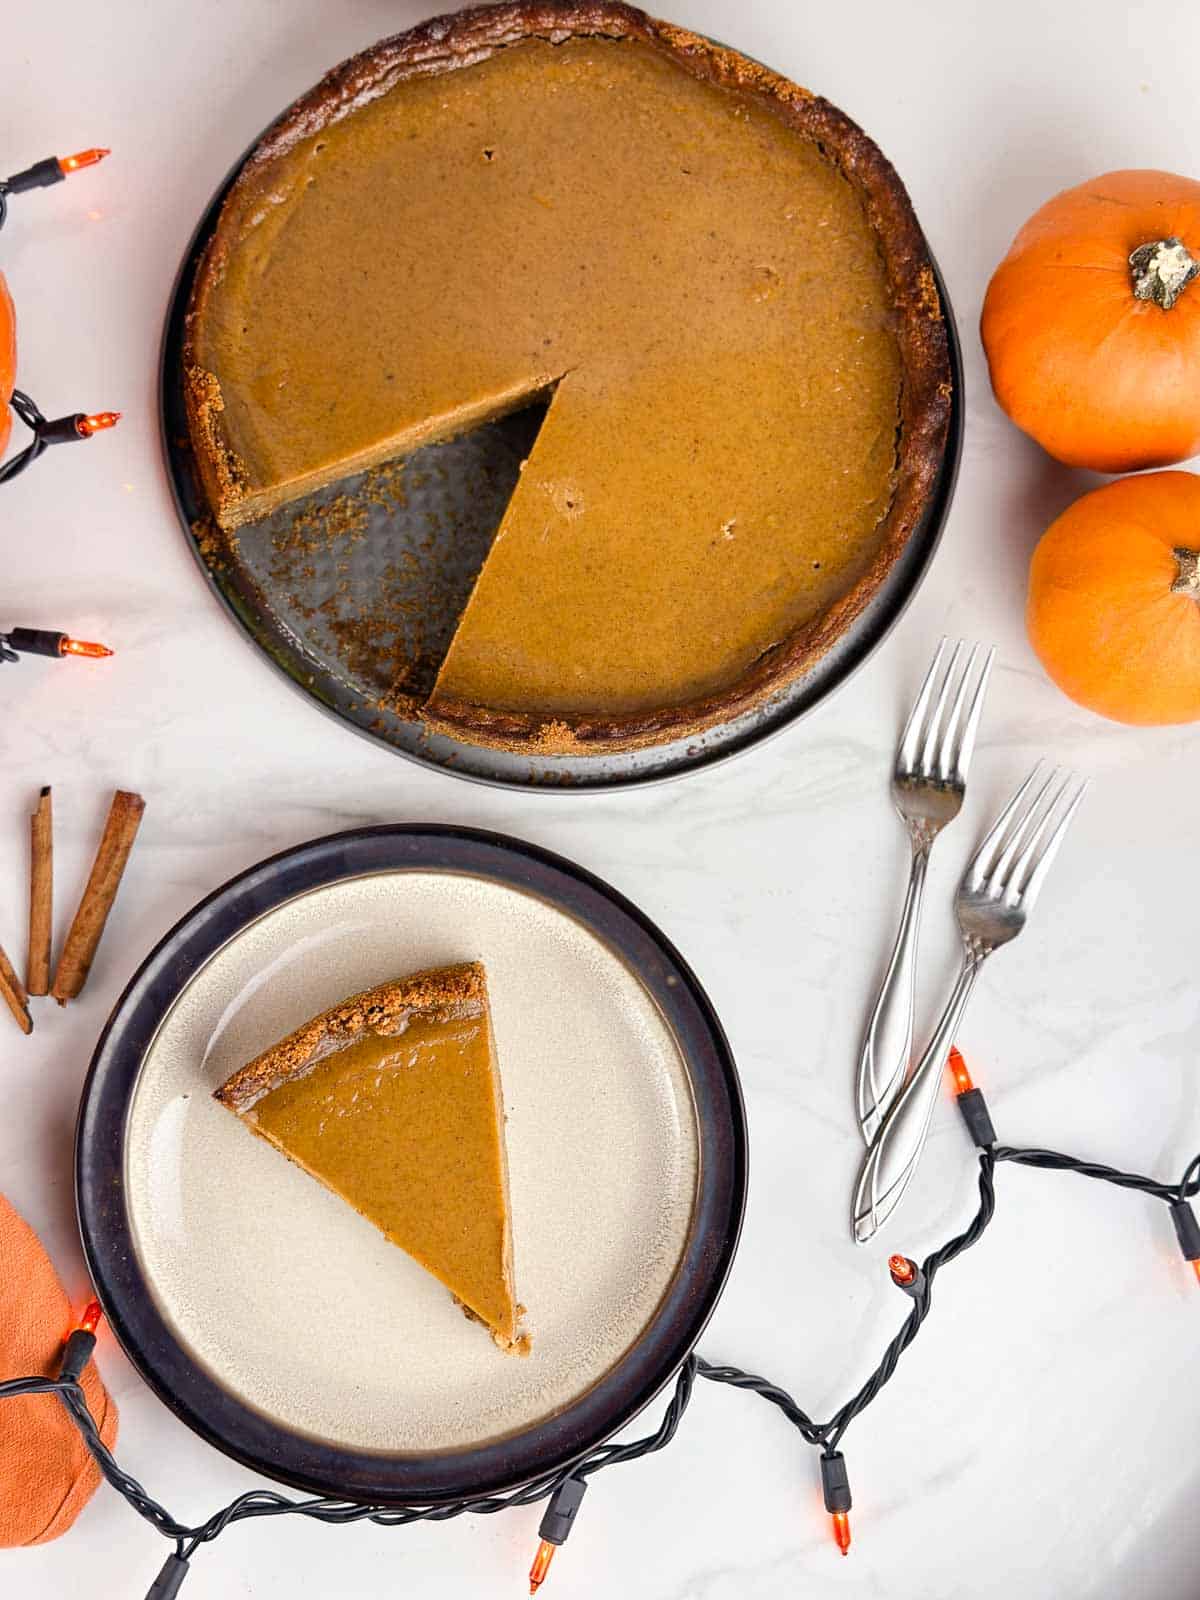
392,1100
712,276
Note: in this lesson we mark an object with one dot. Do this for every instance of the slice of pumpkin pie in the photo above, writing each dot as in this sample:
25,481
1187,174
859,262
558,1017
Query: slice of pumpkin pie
392,1099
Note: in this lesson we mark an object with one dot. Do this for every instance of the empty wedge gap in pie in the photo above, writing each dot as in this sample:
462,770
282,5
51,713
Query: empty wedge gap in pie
718,275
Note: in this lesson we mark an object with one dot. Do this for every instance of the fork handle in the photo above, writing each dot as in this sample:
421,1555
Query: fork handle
887,1043
892,1159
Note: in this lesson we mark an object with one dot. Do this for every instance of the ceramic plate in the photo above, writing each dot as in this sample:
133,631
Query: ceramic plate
283,1325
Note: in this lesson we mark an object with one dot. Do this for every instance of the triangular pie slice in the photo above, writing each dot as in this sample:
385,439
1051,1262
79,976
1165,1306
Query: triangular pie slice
392,1099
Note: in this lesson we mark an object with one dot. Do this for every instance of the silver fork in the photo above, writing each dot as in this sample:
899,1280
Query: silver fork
928,785
998,891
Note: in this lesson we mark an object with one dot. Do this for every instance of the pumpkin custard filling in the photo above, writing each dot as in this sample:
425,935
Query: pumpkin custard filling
714,277
392,1100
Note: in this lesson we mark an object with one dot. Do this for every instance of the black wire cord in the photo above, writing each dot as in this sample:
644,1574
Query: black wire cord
824,1436
1186,1189
47,431
31,415
267,1503
39,176
827,1436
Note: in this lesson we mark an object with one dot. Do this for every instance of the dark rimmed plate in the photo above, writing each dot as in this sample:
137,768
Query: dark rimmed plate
151,1337
313,608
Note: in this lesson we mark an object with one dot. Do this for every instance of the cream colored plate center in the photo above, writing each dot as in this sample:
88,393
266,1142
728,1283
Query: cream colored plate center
298,1305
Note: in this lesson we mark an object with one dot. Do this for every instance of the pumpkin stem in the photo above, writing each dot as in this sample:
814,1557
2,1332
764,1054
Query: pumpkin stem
1162,270
1187,580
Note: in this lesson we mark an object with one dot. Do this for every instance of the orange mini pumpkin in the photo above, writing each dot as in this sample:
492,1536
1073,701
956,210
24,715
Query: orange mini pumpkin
1091,323
8,360
1114,599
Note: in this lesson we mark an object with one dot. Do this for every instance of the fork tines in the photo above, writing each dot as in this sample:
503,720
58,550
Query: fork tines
1013,860
938,739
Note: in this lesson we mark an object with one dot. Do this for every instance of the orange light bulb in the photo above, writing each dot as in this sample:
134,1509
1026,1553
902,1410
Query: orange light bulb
1196,1269
903,1270
83,647
958,1067
841,1531
89,1321
96,423
541,1565
84,158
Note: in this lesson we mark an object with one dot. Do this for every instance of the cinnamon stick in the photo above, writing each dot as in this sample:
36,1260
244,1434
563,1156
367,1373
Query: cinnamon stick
79,951
13,991
41,895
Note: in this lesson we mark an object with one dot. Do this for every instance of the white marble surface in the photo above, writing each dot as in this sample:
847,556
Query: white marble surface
1040,1438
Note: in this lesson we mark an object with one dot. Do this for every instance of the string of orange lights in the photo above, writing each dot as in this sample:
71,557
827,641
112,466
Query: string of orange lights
46,430
51,430
48,642
564,1491
43,173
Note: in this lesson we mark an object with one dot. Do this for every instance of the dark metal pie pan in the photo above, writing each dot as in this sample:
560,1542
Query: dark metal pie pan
333,613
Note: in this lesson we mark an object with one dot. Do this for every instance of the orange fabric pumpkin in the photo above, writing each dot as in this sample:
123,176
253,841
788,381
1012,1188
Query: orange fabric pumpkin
1091,323
8,360
1114,599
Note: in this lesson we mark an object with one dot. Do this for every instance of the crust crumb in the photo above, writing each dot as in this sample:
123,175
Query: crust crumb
519,1345
225,471
928,298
